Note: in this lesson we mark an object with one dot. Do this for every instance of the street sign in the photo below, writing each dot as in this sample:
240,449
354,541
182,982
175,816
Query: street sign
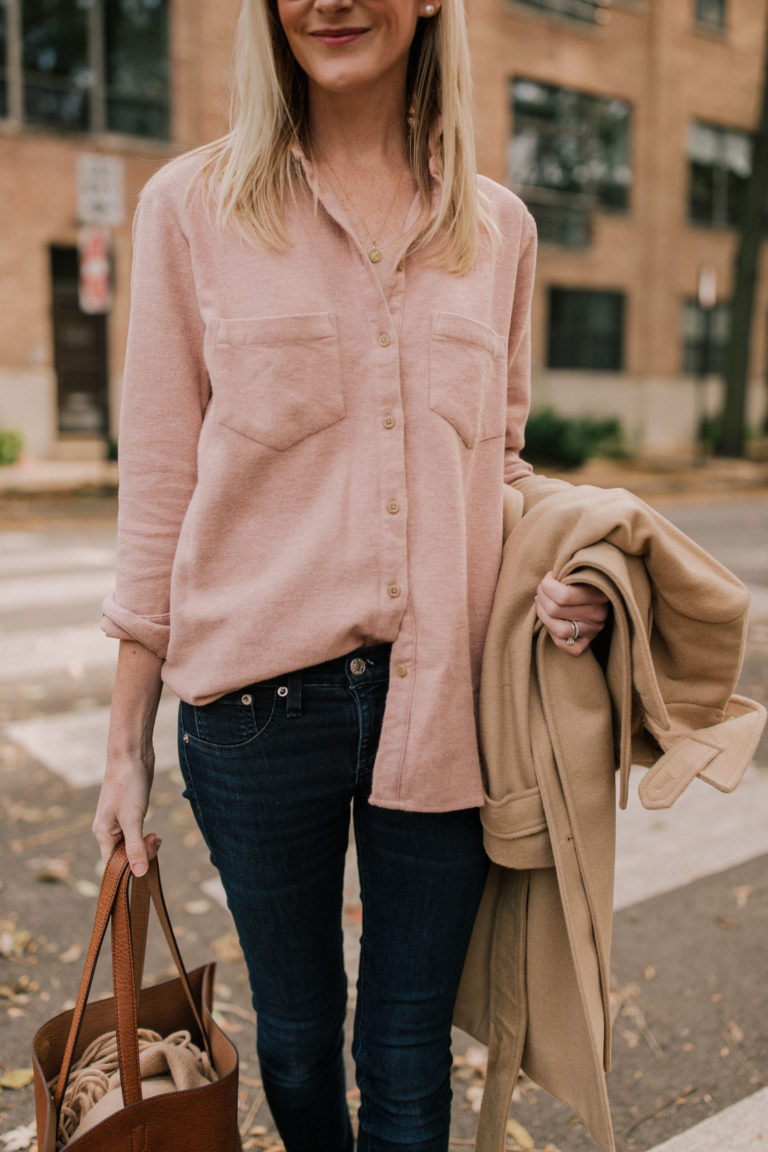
707,292
95,265
100,190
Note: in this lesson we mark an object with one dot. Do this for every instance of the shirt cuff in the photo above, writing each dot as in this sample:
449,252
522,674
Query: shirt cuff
121,624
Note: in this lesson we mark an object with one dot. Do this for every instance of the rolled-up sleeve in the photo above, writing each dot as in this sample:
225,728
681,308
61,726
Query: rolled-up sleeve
519,356
165,393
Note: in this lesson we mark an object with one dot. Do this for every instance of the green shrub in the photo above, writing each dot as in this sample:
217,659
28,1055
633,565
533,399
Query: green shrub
11,444
567,442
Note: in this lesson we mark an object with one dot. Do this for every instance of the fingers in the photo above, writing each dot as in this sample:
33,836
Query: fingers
558,605
120,813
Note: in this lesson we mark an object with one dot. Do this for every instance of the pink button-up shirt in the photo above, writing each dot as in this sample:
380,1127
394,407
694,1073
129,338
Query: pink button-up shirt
312,458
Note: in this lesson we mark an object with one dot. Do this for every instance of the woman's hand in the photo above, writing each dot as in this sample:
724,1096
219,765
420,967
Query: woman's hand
120,812
561,606
124,796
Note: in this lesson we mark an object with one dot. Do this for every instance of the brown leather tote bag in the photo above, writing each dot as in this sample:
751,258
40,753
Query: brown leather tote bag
200,1119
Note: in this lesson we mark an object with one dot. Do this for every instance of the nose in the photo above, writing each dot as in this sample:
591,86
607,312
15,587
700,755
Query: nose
328,7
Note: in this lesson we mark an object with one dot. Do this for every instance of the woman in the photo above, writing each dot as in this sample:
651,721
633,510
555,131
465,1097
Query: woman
325,389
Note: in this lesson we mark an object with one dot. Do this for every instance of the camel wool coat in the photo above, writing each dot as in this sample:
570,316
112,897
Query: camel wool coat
655,689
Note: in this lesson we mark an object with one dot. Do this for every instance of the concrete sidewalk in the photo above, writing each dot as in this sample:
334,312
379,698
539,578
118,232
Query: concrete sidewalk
648,478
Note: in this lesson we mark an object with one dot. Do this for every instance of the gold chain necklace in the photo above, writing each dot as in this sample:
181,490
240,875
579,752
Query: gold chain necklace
374,252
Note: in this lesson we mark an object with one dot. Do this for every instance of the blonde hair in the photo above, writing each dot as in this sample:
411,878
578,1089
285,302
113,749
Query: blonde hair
252,168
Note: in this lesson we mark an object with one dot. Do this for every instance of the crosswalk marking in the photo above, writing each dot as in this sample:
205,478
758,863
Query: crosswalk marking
40,591
742,1127
73,744
38,652
702,833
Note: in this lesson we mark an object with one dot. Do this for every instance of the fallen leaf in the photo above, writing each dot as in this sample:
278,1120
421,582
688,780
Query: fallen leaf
227,948
727,922
520,1135
734,1032
197,907
17,1078
71,954
87,888
688,1047
15,1013
474,1096
18,1139
742,894
716,997
649,972
632,1038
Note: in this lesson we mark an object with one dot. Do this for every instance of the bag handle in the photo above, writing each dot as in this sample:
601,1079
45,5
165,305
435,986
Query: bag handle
116,903
124,973
113,873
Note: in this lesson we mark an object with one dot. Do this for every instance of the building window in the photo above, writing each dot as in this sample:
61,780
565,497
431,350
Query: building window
3,59
586,329
720,161
705,334
711,13
593,11
86,65
136,56
568,154
55,61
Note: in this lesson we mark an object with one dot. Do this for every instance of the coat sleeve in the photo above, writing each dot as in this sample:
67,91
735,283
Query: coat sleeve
165,393
519,355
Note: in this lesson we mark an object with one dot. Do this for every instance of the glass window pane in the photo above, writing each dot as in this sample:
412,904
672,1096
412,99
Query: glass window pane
57,79
136,53
3,59
586,329
572,143
711,12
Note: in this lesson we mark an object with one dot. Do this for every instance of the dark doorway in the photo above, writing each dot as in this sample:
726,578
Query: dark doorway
79,354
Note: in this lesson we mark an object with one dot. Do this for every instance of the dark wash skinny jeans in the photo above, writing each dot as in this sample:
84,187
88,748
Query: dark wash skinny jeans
271,771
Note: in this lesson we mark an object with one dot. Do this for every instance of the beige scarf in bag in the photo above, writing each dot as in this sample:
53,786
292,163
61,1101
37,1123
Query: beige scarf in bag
172,1064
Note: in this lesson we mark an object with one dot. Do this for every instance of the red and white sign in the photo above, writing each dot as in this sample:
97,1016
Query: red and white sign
95,252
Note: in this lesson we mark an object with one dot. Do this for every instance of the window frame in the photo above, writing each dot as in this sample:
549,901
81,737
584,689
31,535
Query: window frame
725,211
13,79
555,340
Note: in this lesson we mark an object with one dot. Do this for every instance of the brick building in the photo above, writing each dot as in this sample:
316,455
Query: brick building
623,123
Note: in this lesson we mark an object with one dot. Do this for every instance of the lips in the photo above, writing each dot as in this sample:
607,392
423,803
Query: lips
338,37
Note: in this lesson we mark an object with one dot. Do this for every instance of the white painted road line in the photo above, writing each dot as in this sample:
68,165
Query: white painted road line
704,832
55,588
741,1128
73,744
35,652
54,560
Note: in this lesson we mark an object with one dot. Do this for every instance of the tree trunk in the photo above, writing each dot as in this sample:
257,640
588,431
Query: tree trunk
746,267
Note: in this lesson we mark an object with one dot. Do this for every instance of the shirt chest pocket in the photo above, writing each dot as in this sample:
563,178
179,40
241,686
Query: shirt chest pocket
467,379
277,379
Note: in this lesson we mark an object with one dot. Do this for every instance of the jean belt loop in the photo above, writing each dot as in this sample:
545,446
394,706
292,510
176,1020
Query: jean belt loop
293,703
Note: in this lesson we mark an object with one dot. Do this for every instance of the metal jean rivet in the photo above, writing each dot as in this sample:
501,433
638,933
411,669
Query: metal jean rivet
282,690
186,738
246,698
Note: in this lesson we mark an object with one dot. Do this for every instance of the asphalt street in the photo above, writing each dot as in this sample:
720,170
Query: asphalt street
690,955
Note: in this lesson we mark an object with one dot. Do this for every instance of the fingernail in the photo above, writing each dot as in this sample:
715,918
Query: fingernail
139,869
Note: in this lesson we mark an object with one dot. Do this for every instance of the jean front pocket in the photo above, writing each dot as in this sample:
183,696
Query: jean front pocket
231,721
277,379
467,381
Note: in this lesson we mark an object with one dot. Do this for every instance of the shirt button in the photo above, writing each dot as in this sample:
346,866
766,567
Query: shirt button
388,421
393,507
394,591
357,666
384,340
401,670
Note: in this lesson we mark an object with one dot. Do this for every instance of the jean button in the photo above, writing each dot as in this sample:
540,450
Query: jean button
357,666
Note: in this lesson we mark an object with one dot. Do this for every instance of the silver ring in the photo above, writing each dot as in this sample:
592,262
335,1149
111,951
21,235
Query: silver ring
574,633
